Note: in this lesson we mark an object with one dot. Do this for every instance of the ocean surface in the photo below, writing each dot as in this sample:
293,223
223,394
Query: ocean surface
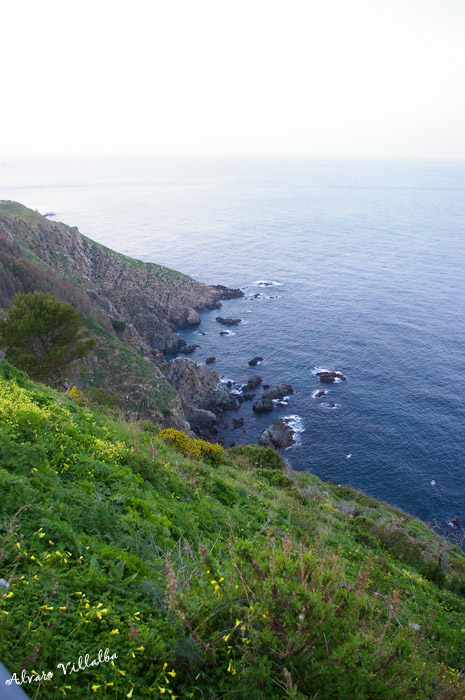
358,267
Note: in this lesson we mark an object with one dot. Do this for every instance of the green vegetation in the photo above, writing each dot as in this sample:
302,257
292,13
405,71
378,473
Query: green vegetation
232,578
43,336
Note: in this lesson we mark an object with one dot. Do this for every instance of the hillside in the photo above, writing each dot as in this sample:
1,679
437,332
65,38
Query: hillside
132,309
209,574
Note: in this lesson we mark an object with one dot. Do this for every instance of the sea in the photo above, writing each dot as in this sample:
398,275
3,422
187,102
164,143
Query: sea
355,266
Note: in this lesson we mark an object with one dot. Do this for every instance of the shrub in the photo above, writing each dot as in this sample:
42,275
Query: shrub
258,457
194,448
119,326
43,336
433,572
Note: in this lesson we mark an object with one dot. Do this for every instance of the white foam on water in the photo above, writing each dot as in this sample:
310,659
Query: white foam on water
316,370
225,380
268,283
314,395
295,423
280,402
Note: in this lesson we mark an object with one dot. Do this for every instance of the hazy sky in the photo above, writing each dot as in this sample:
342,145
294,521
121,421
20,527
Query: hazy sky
304,77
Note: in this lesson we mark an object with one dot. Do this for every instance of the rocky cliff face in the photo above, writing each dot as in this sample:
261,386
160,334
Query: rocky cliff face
136,305
151,298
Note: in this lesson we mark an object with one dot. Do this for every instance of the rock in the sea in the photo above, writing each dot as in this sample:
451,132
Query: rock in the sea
228,321
245,397
279,435
224,332
187,349
330,376
255,360
319,394
209,360
237,423
227,293
263,405
252,383
278,392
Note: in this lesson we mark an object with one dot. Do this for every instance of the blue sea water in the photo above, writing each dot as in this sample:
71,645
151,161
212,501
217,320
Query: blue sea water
367,262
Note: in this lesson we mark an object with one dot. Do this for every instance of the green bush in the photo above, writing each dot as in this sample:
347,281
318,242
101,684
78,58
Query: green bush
119,326
43,336
257,457
433,572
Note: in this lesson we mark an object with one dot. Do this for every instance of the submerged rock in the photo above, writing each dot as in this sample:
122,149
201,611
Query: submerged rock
255,360
209,360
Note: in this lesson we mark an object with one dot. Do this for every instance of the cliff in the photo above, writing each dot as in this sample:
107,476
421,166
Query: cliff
133,309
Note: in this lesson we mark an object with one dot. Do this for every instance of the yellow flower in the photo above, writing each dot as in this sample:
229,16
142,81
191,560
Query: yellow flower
116,631
171,673
129,695
95,688
141,648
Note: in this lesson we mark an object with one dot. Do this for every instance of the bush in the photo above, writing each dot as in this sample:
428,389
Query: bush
43,336
119,326
194,448
433,572
258,457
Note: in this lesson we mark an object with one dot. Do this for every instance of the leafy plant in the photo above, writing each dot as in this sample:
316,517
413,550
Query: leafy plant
43,336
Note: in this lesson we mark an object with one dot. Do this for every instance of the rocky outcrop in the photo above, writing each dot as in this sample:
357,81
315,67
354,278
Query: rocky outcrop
185,317
198,385
263,405
201,421
280,391
279,435
329,376
255,360
227,293
228,321
252,383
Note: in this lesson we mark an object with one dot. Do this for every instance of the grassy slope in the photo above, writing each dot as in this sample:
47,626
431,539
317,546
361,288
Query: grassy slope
228,581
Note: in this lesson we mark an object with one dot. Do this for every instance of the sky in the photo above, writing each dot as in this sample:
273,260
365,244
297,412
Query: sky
316,78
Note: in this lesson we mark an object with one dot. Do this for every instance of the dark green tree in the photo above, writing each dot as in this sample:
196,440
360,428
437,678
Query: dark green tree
43,336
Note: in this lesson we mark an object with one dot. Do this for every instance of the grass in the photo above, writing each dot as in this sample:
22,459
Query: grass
231,578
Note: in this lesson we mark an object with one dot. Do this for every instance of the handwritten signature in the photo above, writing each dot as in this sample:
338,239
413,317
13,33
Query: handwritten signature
69,667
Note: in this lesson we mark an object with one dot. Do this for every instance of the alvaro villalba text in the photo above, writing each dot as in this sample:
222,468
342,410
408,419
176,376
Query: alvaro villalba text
67,668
